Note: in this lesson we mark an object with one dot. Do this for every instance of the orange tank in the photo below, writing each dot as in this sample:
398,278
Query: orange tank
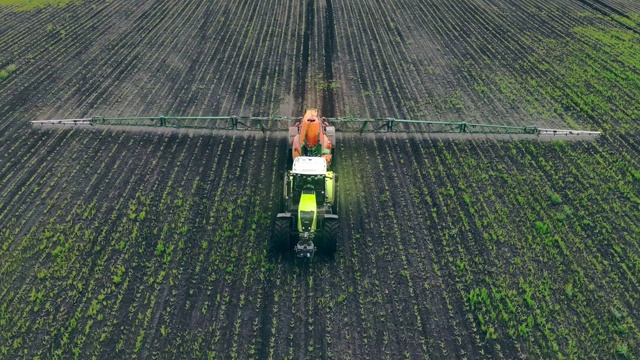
312,141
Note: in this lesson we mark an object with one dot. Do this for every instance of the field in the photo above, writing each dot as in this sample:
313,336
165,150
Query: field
137,245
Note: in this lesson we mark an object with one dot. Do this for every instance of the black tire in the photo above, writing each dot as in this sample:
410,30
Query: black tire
330,235
281,234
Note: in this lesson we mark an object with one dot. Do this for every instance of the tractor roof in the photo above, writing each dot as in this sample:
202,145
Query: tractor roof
309,165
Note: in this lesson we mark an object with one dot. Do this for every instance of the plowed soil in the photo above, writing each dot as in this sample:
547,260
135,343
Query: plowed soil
140,244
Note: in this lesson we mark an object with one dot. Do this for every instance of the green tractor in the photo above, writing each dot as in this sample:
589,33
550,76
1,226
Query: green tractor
309,220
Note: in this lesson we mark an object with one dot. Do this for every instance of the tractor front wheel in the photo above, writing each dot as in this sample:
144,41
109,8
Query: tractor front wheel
330,235
281,234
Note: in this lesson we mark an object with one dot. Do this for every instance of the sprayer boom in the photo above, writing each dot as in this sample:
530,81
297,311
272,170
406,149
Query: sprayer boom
342,124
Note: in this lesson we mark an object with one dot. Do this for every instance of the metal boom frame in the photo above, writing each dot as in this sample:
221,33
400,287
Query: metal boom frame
343,124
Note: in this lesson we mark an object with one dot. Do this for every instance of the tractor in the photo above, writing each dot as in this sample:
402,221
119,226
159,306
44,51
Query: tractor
309,218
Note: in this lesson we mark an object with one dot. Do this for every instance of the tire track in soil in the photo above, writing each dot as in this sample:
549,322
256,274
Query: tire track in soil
301,81
328,98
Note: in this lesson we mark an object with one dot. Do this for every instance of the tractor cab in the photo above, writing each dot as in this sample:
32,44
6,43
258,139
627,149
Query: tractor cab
308,176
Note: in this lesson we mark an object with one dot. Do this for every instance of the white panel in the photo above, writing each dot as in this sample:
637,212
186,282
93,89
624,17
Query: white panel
310,165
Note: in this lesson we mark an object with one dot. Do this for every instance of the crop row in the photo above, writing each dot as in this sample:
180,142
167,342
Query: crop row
148,244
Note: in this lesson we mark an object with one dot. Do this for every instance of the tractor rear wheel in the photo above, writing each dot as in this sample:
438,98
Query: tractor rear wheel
281,234
330,235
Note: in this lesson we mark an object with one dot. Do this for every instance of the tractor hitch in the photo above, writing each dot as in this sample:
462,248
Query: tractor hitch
305,247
